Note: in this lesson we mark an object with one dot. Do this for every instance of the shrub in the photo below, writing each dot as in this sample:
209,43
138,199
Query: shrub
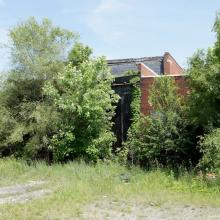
51,109
85,101
204,81
210,148
161,137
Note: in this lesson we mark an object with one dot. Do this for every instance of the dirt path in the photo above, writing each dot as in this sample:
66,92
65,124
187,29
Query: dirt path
113,210
106,208
22,193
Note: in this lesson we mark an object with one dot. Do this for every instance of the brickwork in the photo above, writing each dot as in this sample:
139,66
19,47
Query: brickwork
148,68
146,83
171,67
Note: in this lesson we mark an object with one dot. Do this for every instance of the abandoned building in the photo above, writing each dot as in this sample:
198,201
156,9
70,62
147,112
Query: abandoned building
147,68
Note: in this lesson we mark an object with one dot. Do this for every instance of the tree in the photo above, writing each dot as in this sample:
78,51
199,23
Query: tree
161,137
79,54
209,146
38,51
204,101
85,101
204,80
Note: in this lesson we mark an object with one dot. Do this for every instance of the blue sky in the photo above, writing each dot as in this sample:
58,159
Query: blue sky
122,28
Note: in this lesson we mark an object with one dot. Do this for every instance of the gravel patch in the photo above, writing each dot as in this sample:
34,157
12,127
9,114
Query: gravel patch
117,210
19,188
24,197
22,193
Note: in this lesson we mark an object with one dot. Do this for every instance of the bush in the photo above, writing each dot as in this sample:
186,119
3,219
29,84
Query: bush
210,148
86,103
51,110
161,137
204,81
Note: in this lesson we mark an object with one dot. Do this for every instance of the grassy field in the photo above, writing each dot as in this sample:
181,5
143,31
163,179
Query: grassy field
75,186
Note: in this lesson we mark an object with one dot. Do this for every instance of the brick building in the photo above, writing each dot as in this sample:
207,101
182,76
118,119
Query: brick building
147,68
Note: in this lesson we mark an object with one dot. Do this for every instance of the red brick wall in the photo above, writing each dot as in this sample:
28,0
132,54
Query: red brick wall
171,67
146,83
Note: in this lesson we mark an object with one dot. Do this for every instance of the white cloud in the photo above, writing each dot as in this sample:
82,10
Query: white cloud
107,20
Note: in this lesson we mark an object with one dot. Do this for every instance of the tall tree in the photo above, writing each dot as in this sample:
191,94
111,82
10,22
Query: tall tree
86,102
79,54
38,51
160,137
204,72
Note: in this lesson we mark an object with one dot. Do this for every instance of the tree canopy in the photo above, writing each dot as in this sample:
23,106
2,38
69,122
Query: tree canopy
50,108
204,80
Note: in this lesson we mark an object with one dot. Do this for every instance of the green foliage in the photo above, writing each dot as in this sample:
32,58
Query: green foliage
79,54
28,119
160,138
204,80
84,98
204,100
136,98
124,151
210,148
83,185
130,73
49,110
39,49
7,123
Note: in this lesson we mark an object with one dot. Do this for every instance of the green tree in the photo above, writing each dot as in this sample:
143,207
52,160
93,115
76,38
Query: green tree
79,54
209,146
85,101
204,81
161,137
38,51
204,100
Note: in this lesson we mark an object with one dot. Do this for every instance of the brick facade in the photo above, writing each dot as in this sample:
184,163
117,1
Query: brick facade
171,69
146,83
147,68
170,66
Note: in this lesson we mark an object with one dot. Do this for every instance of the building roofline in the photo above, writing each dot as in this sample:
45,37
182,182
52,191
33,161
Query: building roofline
149,69
175,75
167,53
130,60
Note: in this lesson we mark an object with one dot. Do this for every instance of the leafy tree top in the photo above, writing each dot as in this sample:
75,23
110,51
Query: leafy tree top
37,48
204,80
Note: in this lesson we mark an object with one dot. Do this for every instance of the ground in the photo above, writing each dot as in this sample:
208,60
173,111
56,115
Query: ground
103,191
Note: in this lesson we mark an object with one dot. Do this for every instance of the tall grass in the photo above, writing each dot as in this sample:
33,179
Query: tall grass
76,184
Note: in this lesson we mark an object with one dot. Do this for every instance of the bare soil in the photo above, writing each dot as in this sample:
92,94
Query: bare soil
118,210
107,208
22,193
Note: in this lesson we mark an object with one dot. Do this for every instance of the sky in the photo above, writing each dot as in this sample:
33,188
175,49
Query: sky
121,28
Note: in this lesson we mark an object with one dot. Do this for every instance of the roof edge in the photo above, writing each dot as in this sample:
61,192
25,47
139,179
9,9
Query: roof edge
140,59
168,54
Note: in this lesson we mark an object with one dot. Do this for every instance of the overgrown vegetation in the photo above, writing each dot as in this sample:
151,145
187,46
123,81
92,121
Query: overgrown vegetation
77,186
27,115
53,107
210,148
160,138
181,131
204,100
84,100
57,104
